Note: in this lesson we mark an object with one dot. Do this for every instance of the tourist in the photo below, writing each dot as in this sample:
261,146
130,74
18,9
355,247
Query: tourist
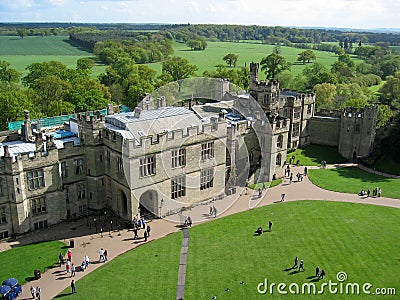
73,287
38,291
259,231
83,266
270,225
105,255
145,235
148,229
296,262
190,222
305,171
33,292
73,270
368,192
259,193
135,232
316,271
301,266
291,178
215,211
86,261
101,252
68,266
379,192
61,258
283,197
69,255
322,274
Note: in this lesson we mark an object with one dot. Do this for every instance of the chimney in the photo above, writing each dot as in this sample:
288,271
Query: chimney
6,151
110,109
27,128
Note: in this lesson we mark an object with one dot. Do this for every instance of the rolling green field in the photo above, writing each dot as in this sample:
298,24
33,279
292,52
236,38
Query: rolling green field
338,237
21,261
352,180
22,52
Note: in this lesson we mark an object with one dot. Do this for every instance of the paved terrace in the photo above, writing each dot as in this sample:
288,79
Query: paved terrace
87,242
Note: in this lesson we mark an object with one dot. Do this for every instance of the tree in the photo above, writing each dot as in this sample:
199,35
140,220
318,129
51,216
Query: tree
40,70
324,93
198,43
231,59
7,74
85,63
306,56
384,115
390,91
22,32
178,68
12,106
274,64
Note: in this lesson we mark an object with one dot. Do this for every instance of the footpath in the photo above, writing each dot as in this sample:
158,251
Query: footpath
87,242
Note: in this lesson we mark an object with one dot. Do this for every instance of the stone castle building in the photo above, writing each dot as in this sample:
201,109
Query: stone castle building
161,158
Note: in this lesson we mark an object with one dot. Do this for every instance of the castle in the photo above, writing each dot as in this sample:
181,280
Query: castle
160,158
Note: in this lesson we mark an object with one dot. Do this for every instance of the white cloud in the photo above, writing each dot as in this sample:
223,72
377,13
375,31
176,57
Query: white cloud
323,13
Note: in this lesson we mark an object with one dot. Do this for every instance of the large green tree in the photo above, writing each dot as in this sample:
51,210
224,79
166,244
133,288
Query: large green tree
8,74
306,56
274,64
12,106
390,91
231,59
178,68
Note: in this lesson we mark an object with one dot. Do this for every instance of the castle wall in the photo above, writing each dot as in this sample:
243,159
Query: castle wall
324,130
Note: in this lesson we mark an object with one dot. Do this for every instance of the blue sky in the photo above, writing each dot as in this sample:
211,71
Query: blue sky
322,13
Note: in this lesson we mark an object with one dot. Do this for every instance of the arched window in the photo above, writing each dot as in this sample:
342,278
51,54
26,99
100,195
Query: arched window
279,143
278,159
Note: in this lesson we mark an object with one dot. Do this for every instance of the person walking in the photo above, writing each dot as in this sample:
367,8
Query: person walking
270,225
73,270
61,258
33,292
148,229
105,255
322,274
145,235
38,291
301,266
73,288
283,197
101,257
316,271
296,263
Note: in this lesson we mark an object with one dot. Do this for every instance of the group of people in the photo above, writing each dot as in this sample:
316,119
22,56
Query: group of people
103,255
213,210
188,222
140,223
260,231
319,273
376,192
35,292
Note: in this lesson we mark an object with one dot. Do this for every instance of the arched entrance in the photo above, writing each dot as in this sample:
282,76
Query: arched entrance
123,203
148,204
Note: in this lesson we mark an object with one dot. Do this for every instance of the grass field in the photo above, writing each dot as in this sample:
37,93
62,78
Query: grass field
387,164
22,52
352,180
338,237
21,261
312,155
248,52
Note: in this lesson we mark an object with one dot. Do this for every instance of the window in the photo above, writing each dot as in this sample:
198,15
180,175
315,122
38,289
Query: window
309,108
1,187
64,170
296,129
3,235
147,166
120,167
206,179
101,158
296,112
79,166
357,128
66,193
278,159
81,190
108,157
3,218
178,158
35,179
38,206
279,142
178,187
207,150
40,225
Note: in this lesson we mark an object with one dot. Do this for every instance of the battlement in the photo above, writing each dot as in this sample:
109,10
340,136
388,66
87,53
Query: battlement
91,120
356,113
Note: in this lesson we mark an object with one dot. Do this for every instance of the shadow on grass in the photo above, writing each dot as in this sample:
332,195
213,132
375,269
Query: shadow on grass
318,153
62,295
356,173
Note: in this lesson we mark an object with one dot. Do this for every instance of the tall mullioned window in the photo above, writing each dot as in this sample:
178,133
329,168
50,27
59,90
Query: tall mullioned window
207,150
147,166
296,129
296,112
120,167
81,190
35,179
3,218
1,187
178,187
79,166
178,158
38,206
206,179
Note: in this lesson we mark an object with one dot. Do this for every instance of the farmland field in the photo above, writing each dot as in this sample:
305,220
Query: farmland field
22,52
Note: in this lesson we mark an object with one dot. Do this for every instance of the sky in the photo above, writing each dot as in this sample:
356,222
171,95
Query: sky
357,14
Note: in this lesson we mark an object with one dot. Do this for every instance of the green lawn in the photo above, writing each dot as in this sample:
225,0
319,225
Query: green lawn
352,180
312,155
387,164
338,237
20,262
